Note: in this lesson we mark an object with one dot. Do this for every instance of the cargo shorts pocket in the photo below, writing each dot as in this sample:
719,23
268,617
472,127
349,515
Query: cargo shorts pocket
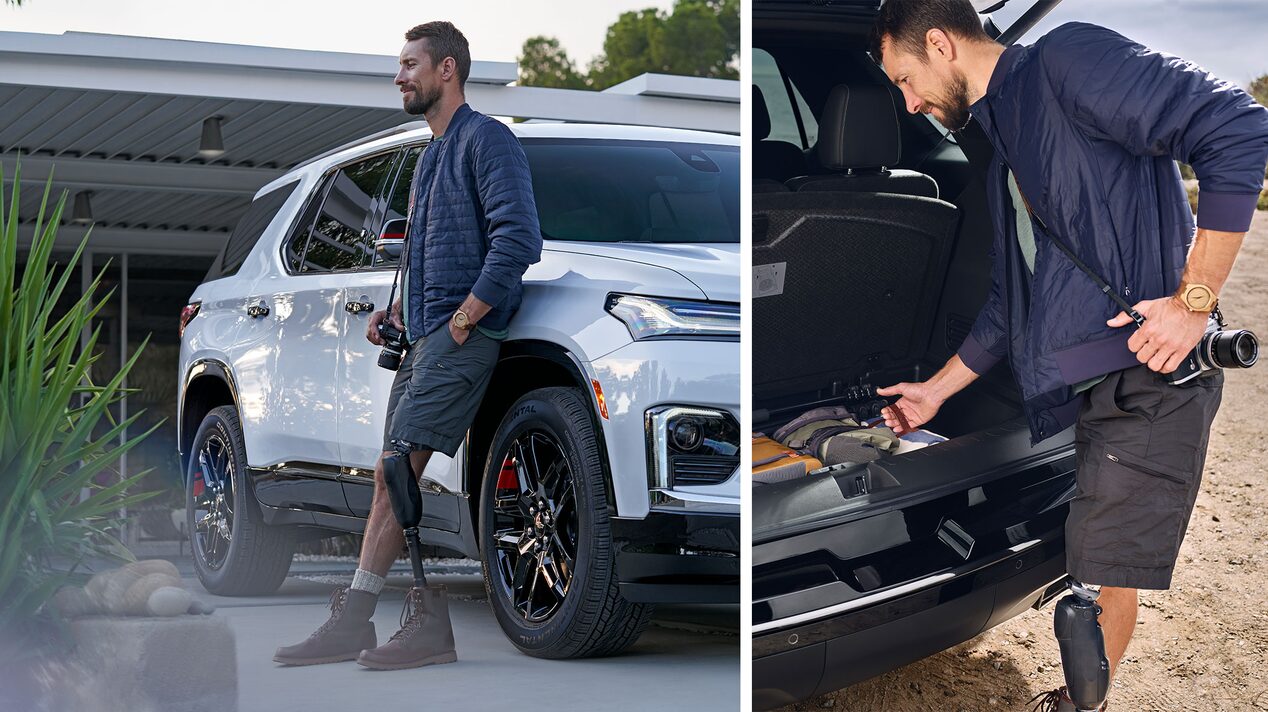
469,362
1137,510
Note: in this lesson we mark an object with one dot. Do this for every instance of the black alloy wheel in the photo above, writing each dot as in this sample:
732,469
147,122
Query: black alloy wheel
535,525
235,552
545,538
212,485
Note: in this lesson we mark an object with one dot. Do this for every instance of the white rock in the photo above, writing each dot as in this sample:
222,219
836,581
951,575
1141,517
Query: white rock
169,601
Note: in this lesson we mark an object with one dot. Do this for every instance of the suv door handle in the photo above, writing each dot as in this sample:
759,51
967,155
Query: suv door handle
358,307
255,311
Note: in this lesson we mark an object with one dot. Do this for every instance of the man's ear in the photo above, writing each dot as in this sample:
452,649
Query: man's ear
448,68
939,44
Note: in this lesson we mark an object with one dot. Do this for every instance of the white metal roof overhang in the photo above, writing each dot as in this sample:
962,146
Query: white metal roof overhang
122,117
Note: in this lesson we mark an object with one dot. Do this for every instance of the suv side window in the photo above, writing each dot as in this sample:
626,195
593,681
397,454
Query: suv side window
776,90
337,238
397,207
249,230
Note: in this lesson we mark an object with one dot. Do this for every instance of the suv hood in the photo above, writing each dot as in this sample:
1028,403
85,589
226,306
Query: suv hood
714,267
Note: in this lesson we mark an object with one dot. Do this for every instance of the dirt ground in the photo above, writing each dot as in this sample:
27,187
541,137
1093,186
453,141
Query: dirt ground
1203,645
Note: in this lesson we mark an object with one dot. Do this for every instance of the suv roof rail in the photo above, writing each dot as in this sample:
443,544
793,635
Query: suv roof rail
407,126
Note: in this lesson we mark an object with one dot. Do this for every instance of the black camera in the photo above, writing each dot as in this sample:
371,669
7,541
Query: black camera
394,346
1236,348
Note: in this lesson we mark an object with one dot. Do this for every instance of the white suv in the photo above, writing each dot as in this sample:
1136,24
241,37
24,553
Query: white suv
618,386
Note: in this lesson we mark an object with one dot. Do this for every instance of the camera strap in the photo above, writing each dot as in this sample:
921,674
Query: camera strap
1100,283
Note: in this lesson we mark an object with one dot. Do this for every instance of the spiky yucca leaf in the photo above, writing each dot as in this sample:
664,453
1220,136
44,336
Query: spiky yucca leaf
56,430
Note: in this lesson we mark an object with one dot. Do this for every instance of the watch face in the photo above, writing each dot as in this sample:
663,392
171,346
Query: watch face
1198,297
460,319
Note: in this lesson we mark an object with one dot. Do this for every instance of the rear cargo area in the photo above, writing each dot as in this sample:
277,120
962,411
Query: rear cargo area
865,290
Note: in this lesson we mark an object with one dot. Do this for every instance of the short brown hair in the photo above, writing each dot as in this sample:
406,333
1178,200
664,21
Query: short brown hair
906,22
444,40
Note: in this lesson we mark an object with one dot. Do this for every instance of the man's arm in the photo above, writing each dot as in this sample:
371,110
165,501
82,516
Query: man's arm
1171,330
505,185
1158,105
1155,104
921,401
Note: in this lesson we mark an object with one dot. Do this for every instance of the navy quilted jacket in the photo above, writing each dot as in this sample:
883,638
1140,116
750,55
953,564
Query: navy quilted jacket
1091,124
478,226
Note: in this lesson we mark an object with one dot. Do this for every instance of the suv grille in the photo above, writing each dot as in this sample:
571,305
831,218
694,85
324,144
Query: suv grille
702,470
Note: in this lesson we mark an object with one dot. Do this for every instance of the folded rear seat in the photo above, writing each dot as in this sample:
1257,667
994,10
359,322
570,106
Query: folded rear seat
844,283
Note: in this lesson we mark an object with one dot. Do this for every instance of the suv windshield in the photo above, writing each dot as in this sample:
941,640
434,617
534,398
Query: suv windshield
602,190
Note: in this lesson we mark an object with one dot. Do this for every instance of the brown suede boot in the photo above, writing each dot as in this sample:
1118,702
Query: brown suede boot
425,637
342,637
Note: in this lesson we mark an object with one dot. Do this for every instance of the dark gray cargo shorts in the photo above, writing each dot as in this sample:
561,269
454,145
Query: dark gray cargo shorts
438,390
1141,445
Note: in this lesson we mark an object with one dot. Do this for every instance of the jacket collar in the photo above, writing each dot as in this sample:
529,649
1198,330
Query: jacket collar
459,115
980,108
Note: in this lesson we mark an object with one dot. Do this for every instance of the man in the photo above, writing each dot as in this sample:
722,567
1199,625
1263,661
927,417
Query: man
1086,126
472,233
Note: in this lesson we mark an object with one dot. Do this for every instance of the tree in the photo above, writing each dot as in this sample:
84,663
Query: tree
699,38
543,63
627,49
1259,89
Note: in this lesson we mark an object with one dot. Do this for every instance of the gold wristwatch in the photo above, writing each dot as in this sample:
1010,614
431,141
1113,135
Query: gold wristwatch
1197,298
462,321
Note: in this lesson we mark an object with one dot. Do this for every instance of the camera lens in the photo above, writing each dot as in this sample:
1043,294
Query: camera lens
390,359
687,434
1234,349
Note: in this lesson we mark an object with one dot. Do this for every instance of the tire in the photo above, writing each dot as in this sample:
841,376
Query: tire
590,619
256,557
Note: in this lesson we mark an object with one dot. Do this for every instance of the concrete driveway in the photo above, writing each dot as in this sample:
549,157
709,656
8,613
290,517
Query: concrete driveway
687,659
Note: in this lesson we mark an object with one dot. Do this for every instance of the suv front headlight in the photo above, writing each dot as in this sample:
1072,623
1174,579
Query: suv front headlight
666,318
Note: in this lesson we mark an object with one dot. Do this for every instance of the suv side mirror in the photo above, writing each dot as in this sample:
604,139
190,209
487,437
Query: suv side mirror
391,242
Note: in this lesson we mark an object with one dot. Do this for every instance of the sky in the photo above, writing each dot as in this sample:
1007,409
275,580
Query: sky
496,29
1226,37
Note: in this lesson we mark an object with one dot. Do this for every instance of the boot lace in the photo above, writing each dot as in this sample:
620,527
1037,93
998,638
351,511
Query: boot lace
1046,701
411,615
1049,701
338,599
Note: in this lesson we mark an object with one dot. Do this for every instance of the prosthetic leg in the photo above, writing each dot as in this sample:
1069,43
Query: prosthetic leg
1082,644
426,634
407,504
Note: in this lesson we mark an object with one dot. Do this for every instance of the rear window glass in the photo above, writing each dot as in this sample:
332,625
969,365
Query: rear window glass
769,78
598,190
249,229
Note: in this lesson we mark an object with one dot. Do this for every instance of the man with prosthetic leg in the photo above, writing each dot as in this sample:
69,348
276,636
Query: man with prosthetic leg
472,233
1103,297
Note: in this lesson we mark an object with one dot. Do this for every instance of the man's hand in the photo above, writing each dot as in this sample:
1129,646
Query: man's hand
916,407
1169,334
372,331
459,335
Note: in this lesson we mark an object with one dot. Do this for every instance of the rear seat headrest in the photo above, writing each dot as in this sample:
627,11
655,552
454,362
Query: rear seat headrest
761,116
859,129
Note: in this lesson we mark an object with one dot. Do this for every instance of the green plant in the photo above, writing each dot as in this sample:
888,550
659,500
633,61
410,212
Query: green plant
1262,203
56,431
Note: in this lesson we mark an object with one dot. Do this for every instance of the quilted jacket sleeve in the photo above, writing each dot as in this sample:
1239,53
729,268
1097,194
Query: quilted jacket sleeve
505,186
1157,104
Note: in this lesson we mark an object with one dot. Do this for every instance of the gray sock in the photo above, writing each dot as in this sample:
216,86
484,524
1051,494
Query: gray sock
367,581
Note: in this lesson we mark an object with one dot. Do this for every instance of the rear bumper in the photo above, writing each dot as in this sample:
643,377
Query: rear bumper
671,557
832,651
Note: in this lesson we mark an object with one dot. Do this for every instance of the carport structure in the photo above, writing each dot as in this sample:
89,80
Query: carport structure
118,122
121,117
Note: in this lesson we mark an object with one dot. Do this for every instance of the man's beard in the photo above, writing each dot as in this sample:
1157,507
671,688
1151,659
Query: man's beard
956,104
422,102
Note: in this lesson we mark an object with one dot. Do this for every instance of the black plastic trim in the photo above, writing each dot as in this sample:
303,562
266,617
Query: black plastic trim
678,558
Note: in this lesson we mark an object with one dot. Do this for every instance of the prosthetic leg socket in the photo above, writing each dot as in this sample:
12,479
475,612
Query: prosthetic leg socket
1082,648
407,504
